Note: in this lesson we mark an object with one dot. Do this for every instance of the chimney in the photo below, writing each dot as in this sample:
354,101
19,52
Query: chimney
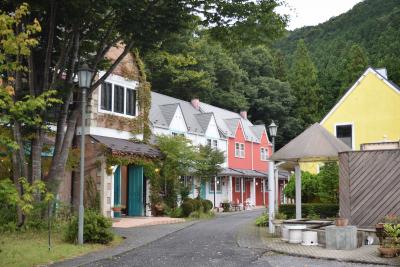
243,114
196,103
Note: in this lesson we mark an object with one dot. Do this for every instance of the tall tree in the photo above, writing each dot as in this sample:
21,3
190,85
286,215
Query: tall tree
356,62
76,32
303,81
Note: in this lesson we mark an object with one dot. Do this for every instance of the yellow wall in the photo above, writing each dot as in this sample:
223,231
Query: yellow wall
373,108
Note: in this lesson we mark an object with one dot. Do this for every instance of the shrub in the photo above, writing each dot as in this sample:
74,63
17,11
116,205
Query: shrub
323,210
197,204
175,213
201,215
207,205
280,216
97,229
187,208
262,220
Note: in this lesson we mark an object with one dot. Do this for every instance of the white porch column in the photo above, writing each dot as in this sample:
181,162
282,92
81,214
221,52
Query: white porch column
254,196
277,200
263,189
298,191
271,196
230,189
241,190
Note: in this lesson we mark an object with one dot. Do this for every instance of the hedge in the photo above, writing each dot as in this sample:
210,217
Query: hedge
324,210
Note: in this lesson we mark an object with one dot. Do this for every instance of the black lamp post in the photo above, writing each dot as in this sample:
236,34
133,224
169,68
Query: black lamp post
85,75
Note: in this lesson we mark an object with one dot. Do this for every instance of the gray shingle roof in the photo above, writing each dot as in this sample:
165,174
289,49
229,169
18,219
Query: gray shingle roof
163,108
168,112
204,120
258,130
156,113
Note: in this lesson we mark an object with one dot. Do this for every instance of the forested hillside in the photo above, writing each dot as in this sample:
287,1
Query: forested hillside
341,48
294,80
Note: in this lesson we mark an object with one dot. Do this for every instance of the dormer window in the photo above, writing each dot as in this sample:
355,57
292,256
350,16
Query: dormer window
118,99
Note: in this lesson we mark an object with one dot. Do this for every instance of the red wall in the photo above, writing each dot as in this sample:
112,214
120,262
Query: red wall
259,164
240,163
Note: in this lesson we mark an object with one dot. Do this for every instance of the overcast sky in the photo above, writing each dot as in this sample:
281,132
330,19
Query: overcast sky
312,12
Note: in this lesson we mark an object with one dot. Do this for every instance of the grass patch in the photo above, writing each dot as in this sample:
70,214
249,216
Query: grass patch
31,248
197,215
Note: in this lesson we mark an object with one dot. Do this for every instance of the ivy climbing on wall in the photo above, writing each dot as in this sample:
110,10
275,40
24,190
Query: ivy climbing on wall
140,124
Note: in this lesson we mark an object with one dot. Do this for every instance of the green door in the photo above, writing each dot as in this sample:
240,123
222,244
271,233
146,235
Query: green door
203,189
117,186
135,191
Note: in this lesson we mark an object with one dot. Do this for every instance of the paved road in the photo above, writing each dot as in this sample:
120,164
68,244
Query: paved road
217,242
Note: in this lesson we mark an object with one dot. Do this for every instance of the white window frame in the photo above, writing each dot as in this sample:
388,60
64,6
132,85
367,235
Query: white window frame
263,153
240,153
126,84
237,179
353,138
219,184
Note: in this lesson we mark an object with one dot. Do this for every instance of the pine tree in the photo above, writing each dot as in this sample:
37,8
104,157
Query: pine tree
303,81
356,63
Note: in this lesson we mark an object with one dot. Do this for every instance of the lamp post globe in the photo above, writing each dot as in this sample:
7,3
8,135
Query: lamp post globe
85,75
273,129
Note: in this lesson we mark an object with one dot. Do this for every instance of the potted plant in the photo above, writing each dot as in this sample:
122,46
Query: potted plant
117,210
390,245
379,227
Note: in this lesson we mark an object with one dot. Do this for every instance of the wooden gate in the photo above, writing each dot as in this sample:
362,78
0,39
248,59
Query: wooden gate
369,184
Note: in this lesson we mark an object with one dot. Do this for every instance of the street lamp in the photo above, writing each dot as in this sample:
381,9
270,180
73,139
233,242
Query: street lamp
85,75
273,128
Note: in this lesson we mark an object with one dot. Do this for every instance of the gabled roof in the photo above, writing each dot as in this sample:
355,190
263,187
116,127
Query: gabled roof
315,143
164,107
168,111
258,130
204,120
391,85
157,116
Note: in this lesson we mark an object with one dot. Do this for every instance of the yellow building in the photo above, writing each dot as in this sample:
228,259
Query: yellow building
368,113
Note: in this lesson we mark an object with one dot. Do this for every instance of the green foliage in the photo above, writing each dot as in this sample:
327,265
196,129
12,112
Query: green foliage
303,81
97,229
262,220
226,206
280,216
320,210
321,187
393,232
187,208
309,187
371,26
207,205
328,178
201,215
175,212
208,162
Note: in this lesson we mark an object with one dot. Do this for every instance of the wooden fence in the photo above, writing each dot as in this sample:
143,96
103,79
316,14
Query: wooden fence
369,185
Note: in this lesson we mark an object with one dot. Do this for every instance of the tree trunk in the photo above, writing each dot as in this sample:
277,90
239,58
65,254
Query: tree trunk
16,176
36,156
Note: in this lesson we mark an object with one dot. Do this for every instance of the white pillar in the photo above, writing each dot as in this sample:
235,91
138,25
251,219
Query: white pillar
277,199
271,196
241,190
263,189
230,189
254,192
298,191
